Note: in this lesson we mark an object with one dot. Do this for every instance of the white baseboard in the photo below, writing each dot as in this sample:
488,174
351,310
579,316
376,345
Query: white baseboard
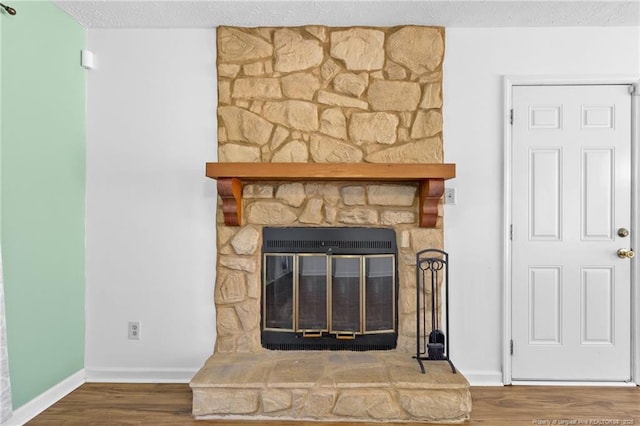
45,400
135,375
560,383
483,378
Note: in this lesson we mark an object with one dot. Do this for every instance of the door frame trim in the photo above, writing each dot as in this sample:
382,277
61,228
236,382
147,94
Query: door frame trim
509,81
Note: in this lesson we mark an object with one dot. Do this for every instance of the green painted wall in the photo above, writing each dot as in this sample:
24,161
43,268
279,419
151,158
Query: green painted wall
2,18
43,195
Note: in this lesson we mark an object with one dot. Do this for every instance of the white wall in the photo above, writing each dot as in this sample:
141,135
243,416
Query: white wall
151,126
150,224
475,62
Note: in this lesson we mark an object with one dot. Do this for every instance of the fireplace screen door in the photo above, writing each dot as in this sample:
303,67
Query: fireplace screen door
328,287
342,295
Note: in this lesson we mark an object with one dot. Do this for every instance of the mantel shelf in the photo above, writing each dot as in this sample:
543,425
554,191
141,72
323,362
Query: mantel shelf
232,176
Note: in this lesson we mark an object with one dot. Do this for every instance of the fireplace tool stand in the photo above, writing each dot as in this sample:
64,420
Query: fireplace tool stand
432,276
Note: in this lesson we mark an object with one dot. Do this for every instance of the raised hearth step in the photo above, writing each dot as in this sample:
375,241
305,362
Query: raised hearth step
328,386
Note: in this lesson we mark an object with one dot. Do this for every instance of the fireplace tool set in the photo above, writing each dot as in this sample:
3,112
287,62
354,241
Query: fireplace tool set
432,279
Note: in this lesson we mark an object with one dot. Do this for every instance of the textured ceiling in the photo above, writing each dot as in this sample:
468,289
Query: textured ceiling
452,13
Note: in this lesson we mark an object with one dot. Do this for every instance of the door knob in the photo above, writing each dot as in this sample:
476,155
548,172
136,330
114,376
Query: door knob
626,254
622,232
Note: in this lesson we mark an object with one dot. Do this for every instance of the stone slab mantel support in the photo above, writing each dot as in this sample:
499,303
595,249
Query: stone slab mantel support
430,179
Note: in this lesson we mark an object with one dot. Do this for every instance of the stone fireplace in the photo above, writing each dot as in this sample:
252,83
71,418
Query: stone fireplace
344,97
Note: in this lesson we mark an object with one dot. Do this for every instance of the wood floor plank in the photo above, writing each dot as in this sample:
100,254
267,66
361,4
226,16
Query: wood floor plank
170,404
526,404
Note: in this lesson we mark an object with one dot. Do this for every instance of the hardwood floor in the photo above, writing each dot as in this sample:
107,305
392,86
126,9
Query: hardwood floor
170,404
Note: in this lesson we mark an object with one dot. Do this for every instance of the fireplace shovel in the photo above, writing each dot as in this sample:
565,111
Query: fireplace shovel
435,347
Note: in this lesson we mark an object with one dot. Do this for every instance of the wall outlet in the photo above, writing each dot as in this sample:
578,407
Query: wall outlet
450,196
134,330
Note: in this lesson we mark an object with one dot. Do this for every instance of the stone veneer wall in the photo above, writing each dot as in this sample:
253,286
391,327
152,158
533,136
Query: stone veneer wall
321,94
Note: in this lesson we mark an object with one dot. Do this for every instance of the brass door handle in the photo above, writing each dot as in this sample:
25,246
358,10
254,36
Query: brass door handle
345,335
626,254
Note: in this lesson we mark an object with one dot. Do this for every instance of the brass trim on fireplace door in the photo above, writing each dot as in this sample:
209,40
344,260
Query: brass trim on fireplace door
329,293
264,292
296,285
363,265
345,335
393,294
330,303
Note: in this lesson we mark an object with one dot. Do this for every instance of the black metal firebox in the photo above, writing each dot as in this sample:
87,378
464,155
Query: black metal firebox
329,289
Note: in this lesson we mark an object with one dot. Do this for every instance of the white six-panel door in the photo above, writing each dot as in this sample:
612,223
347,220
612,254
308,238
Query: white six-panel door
571,171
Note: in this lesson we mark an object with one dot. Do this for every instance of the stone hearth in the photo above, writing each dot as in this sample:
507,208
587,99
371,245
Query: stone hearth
329,386
317,94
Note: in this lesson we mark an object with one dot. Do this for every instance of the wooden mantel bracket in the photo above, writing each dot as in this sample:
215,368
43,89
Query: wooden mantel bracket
430,192
430,179
230,190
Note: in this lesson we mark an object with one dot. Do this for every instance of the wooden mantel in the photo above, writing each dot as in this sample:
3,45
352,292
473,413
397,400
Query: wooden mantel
232,176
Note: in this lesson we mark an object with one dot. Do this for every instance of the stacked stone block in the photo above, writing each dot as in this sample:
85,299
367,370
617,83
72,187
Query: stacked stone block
321,94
